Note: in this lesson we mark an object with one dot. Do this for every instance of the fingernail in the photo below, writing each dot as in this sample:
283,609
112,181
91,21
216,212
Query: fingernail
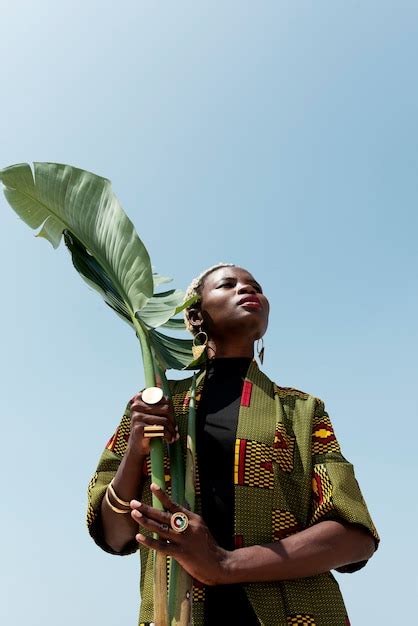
138,514
177,428
140,537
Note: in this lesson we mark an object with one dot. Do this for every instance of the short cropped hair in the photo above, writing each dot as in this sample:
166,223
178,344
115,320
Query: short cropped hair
195,288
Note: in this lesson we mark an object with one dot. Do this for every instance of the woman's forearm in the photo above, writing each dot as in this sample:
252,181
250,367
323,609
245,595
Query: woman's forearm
119,529
315,550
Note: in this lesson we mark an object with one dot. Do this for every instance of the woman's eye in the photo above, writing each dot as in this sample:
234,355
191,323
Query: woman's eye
228,283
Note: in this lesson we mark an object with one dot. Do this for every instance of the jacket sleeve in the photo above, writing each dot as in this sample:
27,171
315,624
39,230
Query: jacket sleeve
106,470
335,491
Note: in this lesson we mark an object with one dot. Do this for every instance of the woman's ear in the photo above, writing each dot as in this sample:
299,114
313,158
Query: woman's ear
195,317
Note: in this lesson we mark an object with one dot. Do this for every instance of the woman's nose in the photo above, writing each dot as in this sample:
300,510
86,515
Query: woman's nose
246,288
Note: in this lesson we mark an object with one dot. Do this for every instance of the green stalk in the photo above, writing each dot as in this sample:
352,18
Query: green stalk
190,484
157,477
181,584
157,447
179,589
174,450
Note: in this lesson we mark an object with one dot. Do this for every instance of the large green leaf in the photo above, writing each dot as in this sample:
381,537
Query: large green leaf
95,276
158,310
172,352
59,197
109,255
104,246
175,323
160,280
161,307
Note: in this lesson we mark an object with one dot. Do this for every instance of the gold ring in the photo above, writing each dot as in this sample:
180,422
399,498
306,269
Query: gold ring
179,522
152,395
153,431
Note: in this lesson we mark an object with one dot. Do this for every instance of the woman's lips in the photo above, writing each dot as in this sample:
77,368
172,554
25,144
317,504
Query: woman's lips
251,302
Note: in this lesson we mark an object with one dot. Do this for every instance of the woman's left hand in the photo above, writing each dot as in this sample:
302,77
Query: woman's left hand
195,549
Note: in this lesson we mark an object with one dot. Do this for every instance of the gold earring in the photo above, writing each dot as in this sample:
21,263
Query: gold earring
260,351
198,349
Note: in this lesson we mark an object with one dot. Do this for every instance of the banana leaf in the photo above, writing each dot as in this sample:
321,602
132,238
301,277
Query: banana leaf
171,352
61,200
58,197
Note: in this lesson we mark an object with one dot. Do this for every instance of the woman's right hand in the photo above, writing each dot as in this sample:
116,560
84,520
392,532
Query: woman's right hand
143,414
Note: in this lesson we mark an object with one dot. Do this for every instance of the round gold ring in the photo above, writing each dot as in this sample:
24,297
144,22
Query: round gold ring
179,522
152,395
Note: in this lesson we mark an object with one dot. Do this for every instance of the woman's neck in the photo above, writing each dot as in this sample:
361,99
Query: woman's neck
230,349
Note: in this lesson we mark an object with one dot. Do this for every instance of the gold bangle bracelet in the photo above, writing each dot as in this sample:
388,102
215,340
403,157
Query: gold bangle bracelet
113,492
114,508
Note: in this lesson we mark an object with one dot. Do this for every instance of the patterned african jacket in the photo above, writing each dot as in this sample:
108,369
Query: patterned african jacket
289,473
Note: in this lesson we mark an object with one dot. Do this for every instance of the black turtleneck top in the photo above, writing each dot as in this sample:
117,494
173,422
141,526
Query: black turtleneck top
217,420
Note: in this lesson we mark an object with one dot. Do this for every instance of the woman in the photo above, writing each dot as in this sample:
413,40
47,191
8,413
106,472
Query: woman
279,505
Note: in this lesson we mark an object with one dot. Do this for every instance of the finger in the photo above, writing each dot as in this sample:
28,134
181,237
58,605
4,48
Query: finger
170,432
137,395
143,419
161,517
155,544
168,504
161,408
150,420
162,530
173,424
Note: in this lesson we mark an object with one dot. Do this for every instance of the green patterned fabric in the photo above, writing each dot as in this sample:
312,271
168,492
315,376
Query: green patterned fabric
289,473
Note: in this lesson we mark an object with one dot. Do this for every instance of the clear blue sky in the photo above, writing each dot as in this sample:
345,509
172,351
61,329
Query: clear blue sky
281,136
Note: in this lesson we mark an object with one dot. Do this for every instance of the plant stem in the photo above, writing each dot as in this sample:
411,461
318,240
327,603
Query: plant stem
157,447
174,450
157,477
180,583
190,494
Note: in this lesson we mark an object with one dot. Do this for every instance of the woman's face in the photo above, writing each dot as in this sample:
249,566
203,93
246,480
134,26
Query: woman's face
233,301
